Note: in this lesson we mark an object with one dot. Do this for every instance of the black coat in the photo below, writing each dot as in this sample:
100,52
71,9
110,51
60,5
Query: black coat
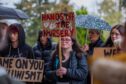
98,43
23,49
43,52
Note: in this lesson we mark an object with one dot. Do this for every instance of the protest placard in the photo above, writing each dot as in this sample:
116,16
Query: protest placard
28,70
58,24
104,52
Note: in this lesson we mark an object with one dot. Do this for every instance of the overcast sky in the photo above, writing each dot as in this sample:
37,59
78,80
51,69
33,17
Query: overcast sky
91,5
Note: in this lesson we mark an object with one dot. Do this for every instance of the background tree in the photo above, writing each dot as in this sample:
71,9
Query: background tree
34,8
81,32
122,4
109,10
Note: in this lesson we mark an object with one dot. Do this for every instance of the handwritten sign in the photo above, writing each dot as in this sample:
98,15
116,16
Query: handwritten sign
58,24
28,70
104,52
99,53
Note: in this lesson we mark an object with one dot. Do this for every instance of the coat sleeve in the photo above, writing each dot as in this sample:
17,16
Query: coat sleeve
37,53
79,73
30,53
50,72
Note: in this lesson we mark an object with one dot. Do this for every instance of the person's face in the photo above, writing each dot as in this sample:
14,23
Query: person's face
13,36
66,42
115,35
3,28
3,35
43,40
93,36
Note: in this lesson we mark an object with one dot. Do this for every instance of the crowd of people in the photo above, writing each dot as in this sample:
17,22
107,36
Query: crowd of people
74,69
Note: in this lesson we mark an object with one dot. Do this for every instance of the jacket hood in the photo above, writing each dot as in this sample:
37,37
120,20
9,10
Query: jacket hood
21,33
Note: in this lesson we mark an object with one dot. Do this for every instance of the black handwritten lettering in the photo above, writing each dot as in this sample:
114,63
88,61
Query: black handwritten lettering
41,65
1,62
23,69
39,73
18,63
36,65
108,52
10,63
6,63
27,75
25,64
31,63
33,75
19,74
114,51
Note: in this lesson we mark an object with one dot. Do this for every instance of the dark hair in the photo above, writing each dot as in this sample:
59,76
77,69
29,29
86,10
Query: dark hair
48,45
13,28
121,30
95,30
76,47
39,35
21,33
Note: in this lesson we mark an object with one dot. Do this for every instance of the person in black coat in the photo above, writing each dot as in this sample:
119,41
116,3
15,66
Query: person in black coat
74,67
17,46
43,49
3,35
95,41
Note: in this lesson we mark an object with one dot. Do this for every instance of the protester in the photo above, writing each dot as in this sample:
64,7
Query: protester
74,66
95,41
4,23
111,70
43,46
16,40
17,46
116,37
3,34
43,49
